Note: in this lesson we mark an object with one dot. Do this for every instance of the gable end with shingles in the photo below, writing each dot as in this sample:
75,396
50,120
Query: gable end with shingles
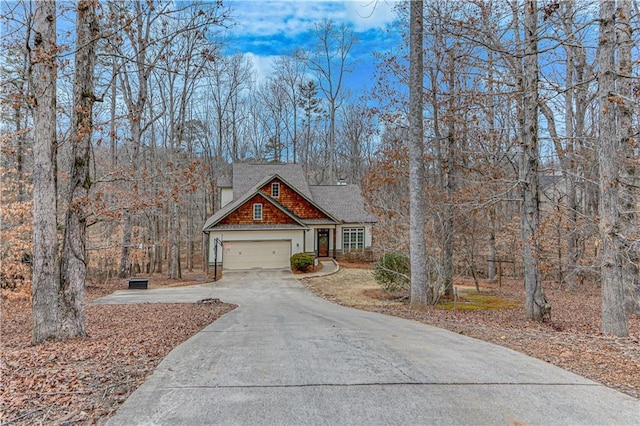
297,203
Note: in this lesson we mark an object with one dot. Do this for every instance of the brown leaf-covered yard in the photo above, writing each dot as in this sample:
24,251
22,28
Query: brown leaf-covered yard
571,341
85,380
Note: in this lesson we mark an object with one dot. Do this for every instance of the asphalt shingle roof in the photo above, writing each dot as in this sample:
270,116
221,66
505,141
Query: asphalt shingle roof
245,176
224,182
345,202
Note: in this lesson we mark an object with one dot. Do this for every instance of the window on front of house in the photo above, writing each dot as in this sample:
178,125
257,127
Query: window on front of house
257,211
275,189
352,238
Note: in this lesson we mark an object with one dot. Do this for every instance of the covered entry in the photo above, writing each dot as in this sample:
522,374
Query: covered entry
272,254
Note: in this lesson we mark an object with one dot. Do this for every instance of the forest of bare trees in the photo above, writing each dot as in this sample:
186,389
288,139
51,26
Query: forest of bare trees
119,123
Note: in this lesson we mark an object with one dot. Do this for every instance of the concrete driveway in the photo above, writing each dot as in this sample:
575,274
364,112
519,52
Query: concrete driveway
287,357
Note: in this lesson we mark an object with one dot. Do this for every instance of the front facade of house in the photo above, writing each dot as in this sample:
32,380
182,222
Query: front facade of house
269,212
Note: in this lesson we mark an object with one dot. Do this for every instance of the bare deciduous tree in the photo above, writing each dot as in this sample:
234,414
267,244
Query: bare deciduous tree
421,291
330,62
536,304
46,267
73,269
629,161
614,318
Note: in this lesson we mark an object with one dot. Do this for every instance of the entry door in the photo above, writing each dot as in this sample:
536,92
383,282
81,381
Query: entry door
323,243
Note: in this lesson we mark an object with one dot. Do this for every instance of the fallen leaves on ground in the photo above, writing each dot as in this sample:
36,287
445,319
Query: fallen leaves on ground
86,379
572,340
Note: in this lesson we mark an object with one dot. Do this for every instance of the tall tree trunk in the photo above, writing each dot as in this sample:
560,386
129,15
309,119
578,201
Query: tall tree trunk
332,141
573,241
491,212
174,270
421,292
537,308
136,115
113,138
568,156
157,246
18,117
614,319
449,184
493,252
565,155
190,245
46,274
125,248
629,161
73,269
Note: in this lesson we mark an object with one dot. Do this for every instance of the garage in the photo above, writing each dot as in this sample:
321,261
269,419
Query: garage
271,254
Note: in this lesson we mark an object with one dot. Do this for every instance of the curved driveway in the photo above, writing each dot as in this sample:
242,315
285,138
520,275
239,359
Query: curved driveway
287,357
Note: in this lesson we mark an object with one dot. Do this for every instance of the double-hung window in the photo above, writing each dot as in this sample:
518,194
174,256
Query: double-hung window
257,211
352,238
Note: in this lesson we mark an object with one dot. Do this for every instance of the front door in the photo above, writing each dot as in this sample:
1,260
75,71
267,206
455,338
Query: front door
323,243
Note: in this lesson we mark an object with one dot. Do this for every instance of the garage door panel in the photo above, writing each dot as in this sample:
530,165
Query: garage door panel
256,254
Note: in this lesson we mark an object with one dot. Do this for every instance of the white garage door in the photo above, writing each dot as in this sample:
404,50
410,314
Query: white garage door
256,254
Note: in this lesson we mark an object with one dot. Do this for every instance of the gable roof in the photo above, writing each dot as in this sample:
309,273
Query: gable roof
341,203
236,203
245,176
344,202
329,217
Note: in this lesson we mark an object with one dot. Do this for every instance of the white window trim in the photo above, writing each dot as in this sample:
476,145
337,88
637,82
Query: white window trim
356,240
276,186
257,211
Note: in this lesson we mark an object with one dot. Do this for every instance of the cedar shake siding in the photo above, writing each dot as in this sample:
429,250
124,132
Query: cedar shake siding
271,215
294,202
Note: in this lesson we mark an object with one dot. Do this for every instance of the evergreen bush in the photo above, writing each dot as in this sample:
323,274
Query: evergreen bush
302,261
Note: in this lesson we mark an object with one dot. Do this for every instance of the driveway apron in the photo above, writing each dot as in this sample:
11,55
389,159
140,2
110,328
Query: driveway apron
287,357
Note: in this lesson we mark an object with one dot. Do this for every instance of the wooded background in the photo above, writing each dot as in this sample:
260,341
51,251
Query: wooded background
527,106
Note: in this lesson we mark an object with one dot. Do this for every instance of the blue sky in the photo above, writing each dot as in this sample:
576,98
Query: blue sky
265,29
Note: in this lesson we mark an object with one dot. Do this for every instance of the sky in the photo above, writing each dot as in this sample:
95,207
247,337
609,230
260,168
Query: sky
265,29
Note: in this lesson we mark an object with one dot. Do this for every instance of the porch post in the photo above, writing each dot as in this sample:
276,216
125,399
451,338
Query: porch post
206,250
334,241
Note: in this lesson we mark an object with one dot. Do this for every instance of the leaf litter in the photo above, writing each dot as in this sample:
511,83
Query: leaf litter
85,380
572,340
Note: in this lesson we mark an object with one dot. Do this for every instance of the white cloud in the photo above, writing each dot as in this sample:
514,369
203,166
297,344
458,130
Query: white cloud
263,18
365,15
267,29
263,66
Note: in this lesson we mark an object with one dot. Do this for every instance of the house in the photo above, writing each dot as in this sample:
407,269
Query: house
269,212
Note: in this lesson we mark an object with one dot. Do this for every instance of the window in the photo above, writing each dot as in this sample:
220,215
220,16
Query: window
275,189
352,238
257,211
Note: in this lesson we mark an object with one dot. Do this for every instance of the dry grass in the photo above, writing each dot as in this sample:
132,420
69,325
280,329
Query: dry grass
351,287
